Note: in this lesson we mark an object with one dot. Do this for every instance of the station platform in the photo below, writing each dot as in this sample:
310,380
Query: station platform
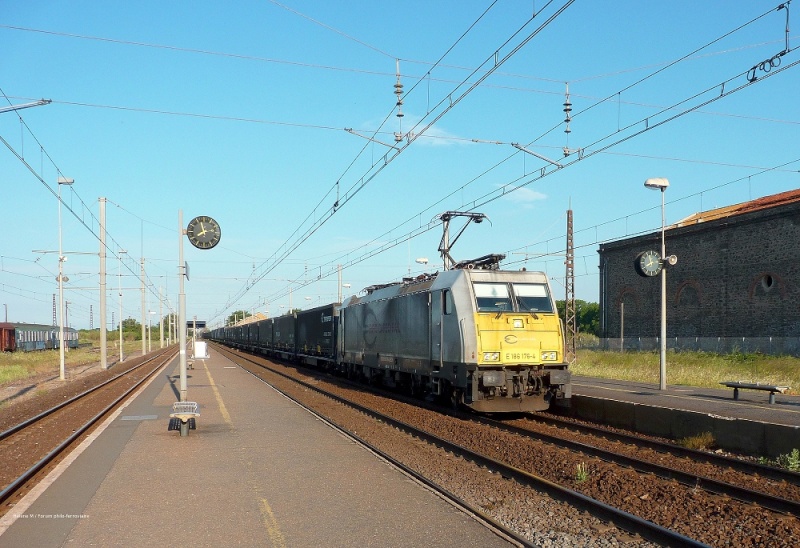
258,471
749,424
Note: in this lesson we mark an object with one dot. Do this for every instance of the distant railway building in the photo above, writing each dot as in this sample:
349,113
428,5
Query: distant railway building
736,285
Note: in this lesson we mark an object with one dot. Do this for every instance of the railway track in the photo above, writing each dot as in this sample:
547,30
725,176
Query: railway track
631,523
776,489
715,459
745,480
32,447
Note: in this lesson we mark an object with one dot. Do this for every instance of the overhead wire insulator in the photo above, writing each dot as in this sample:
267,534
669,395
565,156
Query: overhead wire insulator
567,111
398,90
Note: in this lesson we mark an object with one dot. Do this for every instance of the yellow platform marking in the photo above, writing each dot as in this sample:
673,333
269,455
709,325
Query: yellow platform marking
274,532
222,408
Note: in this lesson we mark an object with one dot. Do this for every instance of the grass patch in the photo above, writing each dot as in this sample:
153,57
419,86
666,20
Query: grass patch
16,366
581,472
700,442
10,373
703,369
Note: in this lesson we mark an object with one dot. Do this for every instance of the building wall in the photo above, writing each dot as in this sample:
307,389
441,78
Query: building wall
736,277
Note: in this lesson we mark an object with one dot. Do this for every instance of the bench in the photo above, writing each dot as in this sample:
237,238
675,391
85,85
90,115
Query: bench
183,416
771,388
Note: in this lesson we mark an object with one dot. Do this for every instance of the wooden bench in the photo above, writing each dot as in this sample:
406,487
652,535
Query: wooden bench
183,416
771,388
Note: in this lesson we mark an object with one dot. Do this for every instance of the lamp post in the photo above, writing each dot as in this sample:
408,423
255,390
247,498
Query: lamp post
662,184
61,258
340,284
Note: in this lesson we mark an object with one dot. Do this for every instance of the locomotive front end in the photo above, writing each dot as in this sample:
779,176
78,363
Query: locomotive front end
519,344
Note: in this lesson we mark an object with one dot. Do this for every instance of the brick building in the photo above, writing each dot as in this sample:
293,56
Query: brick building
736,285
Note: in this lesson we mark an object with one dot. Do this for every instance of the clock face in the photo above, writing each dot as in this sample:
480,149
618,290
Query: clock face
649,263
203,232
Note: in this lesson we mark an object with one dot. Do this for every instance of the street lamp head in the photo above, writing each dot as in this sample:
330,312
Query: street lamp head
65,181
657,183
422,260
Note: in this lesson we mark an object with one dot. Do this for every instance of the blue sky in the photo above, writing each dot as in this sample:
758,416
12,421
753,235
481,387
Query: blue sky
257,113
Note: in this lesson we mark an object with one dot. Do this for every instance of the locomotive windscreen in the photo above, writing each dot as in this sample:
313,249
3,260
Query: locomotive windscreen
533,298
492,297
503,297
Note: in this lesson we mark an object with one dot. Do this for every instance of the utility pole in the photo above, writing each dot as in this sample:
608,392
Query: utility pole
144,317
103,328
570,316
181,325
160,318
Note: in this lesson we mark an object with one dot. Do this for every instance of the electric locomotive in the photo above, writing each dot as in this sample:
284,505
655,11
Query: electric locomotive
478,336
474,335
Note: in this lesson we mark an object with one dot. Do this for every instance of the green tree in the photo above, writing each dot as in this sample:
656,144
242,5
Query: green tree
238,316
131,330
587,316
129,324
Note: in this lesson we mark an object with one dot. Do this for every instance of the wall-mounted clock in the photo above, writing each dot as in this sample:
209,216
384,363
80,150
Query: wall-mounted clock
203,232
648,263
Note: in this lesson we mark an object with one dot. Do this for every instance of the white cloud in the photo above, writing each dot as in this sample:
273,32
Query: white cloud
433,136
524,196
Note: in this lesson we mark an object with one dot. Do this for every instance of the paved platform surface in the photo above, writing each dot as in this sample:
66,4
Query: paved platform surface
752,404
258,471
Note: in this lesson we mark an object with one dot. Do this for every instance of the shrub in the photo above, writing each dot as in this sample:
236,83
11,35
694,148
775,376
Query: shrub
700,442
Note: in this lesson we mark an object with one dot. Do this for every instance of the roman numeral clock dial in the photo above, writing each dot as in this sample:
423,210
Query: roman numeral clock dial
203,232
649,263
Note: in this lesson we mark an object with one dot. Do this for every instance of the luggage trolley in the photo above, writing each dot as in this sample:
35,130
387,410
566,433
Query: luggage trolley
183,416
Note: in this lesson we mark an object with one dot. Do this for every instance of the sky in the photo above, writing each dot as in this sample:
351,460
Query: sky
280,121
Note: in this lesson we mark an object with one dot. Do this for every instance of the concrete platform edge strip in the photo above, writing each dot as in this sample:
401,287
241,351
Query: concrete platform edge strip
731,434
25,502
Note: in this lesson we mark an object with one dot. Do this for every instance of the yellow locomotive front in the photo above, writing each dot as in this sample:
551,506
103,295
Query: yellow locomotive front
519,346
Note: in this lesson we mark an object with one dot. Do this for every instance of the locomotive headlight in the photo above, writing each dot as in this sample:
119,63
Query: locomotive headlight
549,356
491,356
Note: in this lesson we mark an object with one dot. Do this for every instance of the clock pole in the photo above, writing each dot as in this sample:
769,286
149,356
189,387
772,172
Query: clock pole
661,184
181,306
662,366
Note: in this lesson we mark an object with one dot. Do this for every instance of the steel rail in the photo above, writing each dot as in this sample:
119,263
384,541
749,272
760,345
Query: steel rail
624,520
43,414
452,497
764,500
28,474
752,468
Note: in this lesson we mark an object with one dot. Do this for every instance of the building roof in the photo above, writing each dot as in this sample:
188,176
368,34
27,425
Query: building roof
737,209
257,317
